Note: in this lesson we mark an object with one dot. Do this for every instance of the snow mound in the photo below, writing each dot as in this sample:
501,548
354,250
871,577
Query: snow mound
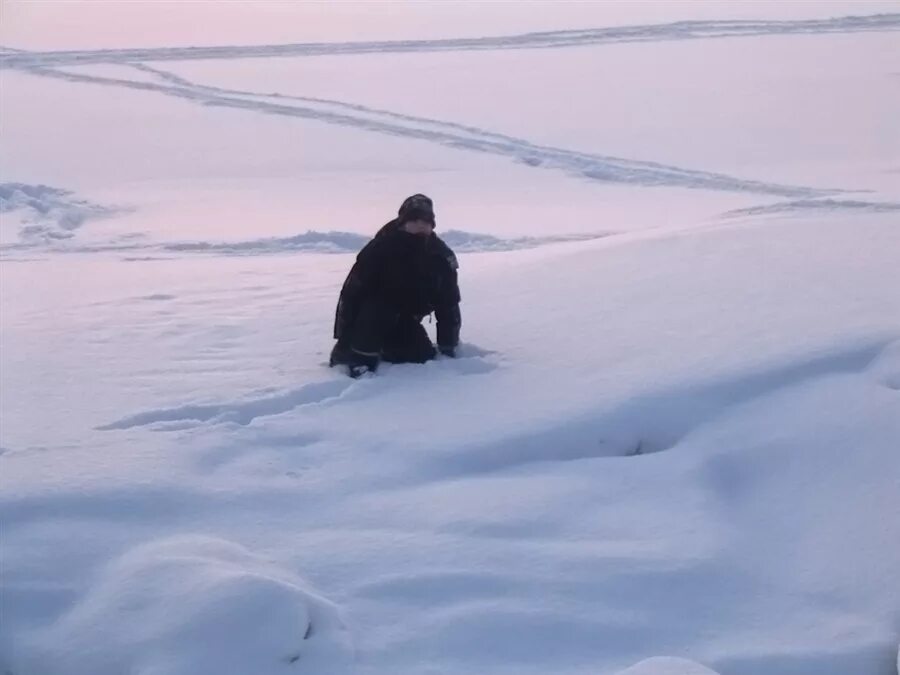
193,605
666,665
49,213
886,367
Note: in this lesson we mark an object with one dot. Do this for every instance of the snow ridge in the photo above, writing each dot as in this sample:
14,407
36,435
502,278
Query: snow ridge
824,205
311,241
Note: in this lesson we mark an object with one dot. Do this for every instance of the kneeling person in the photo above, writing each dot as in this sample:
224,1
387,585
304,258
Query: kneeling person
402,275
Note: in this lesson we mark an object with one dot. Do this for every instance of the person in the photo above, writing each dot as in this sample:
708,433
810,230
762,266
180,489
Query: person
405,273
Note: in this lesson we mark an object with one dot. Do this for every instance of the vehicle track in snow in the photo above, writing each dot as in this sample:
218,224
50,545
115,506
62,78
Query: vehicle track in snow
665,32
602,168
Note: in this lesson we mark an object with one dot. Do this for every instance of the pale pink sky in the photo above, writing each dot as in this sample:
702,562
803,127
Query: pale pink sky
93,24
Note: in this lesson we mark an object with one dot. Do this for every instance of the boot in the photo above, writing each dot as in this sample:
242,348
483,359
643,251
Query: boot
357,363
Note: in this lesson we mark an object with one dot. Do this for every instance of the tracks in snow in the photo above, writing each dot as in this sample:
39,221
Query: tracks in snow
603,168
679,30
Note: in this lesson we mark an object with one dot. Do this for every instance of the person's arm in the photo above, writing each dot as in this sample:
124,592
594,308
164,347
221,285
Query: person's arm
449,317
362,275
449,322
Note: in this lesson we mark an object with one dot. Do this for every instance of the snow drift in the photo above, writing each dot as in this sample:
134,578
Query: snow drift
190,605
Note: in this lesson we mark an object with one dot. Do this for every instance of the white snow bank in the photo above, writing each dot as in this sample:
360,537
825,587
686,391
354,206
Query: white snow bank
666,665
760,538
191,605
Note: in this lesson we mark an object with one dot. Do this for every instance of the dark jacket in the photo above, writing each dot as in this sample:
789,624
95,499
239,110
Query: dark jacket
405,274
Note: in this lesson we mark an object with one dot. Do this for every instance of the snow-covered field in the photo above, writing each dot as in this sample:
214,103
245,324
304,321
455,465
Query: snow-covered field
671,445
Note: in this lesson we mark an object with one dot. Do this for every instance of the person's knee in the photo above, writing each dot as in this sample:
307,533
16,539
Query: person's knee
421,353
409,343
420,347
371,327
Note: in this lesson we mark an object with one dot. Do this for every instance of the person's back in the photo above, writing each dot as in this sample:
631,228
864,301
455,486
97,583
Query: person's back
403,274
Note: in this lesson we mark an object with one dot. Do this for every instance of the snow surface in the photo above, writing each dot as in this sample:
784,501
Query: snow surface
670,445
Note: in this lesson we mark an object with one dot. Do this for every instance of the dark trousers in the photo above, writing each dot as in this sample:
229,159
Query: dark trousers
397,337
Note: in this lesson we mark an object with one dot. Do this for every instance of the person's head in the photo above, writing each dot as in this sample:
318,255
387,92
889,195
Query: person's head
416,215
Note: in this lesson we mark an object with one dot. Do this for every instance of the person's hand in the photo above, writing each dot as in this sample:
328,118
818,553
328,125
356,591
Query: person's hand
447,351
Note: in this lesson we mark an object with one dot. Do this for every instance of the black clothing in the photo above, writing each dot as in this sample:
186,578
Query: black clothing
398,279
407,342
